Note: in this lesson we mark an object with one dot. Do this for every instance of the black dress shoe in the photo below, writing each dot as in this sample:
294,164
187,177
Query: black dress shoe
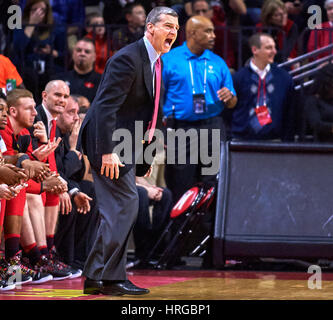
118,288
92,286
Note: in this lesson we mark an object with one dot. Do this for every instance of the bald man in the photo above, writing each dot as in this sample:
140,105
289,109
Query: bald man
198,86
54,100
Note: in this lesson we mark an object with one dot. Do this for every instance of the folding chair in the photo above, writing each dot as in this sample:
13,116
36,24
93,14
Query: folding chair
185,216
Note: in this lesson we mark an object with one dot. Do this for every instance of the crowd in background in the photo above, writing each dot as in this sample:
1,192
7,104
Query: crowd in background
46,46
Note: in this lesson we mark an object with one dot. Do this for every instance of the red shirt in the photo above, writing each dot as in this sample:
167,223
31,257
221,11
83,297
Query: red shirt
320,38
102,52
280,37
20,143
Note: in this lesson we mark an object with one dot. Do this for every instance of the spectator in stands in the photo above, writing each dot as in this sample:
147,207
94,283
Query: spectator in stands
147,231
184,10
275,21
216,15
39,45
198,86
69,15
103,44
323,34
253,12
78,222
83,79
234,9
116,7
265,95
8,71
294,8
319,106
68,12
135,16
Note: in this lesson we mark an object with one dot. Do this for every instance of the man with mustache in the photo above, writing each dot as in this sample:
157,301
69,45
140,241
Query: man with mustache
198,86
82,79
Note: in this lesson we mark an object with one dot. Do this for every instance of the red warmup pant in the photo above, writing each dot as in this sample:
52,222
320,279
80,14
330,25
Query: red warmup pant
15,206
50,199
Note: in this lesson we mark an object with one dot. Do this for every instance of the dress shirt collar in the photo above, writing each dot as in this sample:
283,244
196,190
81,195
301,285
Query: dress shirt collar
261,73
152,54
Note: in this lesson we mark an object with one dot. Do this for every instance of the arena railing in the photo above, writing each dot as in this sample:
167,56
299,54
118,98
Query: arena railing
302,73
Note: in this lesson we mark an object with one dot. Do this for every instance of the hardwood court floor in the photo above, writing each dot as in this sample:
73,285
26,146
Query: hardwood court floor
192,285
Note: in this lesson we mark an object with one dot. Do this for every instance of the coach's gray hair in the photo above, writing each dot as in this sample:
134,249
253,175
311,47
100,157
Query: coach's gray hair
154,15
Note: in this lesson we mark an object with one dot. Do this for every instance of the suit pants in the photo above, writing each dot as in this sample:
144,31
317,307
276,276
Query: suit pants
118,204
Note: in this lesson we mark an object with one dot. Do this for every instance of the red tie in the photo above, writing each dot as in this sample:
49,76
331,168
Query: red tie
53,129
158,77
51,157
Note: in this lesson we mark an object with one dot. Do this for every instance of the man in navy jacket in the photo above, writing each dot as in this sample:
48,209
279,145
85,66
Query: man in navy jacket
125,96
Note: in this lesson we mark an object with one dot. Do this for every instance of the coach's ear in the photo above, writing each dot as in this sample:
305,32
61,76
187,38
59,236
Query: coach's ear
44,95
150,28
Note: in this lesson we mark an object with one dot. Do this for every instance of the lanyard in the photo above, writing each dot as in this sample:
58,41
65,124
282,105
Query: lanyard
192,79
264,89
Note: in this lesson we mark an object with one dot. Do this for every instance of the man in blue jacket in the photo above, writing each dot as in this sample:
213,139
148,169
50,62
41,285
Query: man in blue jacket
265,95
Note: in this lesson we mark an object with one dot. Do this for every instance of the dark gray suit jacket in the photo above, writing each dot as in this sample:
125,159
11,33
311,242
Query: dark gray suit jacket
125,95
